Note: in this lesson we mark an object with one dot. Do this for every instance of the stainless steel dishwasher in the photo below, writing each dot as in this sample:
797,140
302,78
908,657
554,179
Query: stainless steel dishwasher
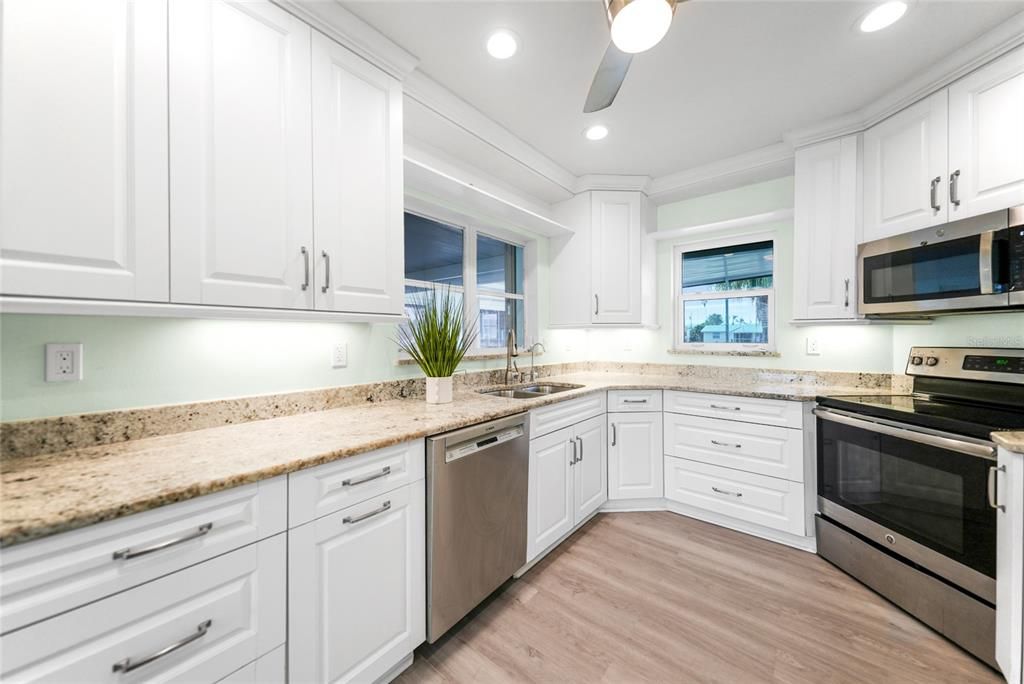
476,516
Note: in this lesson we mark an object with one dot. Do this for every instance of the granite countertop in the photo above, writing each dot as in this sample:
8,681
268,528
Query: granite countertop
1013,441
50,493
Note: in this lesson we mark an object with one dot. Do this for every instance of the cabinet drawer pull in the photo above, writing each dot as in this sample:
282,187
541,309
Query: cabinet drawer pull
126,554
580,440
572,461
597,307
726,444
327,272
615,435
993,481
954,188
727,492
846,293
128,664
725,408
305,261
935,193
349,520
634,401
352,481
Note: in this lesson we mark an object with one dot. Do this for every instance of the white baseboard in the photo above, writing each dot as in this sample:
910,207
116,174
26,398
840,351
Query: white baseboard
808,544
403,665
523,570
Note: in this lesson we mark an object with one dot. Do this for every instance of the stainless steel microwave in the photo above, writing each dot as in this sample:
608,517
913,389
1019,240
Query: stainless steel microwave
972,264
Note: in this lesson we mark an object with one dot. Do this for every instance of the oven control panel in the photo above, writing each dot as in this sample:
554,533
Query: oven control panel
968,363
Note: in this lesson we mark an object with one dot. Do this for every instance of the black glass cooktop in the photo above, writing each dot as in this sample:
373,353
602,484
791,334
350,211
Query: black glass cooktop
964,418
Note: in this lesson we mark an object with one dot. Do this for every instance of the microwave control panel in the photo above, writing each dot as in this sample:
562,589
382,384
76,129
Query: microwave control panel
1017,259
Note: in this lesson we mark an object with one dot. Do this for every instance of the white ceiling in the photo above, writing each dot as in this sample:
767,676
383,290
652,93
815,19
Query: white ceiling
731,76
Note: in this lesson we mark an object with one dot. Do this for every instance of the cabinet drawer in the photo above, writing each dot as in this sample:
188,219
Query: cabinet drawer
42,578
223,614
634,400
767,501
762,449
328,488
765,411
558,416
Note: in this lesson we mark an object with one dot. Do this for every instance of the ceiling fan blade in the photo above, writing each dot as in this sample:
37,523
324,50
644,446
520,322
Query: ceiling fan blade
608,79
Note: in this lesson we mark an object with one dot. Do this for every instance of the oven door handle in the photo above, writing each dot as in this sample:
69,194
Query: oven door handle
908,433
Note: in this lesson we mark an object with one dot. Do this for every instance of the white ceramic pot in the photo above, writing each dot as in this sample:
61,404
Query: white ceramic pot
439,390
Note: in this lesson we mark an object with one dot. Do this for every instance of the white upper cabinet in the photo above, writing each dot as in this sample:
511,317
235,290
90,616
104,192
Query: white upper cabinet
825,231
604,274
986,138
240,171
905,170
357,175
83,159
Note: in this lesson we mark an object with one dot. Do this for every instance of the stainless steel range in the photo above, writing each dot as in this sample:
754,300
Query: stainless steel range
906,486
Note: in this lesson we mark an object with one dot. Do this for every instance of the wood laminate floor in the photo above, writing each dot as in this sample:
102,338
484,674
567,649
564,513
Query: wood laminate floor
657,597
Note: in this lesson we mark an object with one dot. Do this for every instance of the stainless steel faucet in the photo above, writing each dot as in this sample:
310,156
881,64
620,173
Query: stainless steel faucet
511,368
533,351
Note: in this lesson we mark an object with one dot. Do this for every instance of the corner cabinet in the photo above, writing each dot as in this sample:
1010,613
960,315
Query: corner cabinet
83,164
604,274
825,227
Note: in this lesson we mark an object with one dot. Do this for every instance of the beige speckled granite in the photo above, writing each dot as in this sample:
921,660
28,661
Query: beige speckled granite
44,494
1014,441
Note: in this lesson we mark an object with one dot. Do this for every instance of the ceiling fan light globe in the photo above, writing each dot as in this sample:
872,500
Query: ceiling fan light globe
639,25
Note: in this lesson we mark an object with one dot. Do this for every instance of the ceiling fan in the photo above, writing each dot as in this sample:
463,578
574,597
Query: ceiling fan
635,26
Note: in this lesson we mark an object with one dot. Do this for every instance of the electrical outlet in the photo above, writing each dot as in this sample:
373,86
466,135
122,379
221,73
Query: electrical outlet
63,362
813,346
339,355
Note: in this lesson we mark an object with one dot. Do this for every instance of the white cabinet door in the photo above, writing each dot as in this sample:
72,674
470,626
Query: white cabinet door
905,170
825,230
591,469
635,456
240,171
986,138
1010,565
356,593
357,172
616,243
83,164
550,514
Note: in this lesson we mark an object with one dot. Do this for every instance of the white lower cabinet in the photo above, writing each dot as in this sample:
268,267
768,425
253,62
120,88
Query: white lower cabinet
1010,566
200,625
635,463
356,589
267,669
568,481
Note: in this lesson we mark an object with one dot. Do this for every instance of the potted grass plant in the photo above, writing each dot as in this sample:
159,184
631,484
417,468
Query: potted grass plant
437,338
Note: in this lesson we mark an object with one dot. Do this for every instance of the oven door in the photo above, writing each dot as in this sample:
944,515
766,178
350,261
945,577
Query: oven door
963,265
920,494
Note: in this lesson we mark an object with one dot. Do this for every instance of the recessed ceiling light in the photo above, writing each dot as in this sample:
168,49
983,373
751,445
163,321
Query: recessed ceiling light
596,132
639,25
884,15
502,44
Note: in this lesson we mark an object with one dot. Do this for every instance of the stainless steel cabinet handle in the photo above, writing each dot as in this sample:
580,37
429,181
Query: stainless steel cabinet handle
125,554
327,272
727,492
993,481
726,444
572,461
634,401
349,520
596,304
615,435
846,293
725,408
954,188
352,481
128,664
935,193
580,440
305,261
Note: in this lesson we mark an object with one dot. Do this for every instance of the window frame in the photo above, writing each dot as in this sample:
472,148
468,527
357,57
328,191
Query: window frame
678,296
470,292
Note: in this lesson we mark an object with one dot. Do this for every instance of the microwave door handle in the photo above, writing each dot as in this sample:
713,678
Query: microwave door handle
909,434
985,263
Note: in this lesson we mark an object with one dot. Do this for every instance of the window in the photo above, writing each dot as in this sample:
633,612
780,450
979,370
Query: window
724,295
486,272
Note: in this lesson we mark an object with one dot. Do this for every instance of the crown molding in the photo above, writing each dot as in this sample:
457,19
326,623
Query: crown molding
607,181
765,163
330,18
450,106
980,51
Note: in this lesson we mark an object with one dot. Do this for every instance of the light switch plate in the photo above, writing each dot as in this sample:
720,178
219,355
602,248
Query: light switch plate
339,355
813,346
63,362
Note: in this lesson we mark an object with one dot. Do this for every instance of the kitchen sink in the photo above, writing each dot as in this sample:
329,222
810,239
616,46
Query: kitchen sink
529,391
